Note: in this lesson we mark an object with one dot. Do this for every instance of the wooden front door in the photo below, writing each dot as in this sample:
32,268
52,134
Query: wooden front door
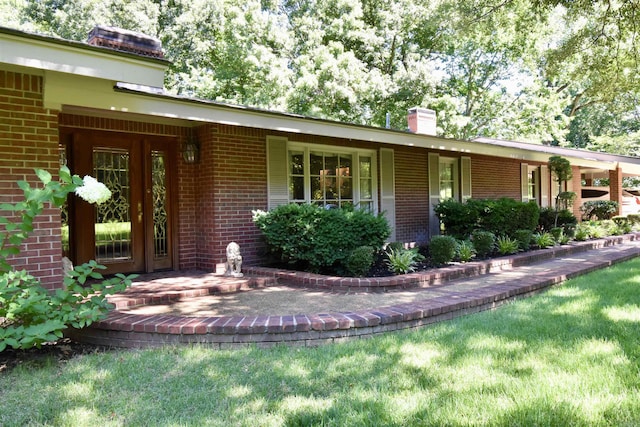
134,230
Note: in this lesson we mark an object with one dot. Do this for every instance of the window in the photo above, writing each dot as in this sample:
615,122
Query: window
532,182
330,177
448,178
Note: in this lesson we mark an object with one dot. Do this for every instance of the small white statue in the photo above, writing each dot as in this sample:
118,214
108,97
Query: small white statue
67,266
234,260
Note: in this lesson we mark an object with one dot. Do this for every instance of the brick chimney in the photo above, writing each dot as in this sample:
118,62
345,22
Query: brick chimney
125,41
422,120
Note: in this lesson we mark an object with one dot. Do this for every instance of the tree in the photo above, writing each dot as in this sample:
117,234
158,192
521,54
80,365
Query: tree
560,168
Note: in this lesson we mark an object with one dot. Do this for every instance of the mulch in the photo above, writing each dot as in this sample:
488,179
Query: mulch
58,351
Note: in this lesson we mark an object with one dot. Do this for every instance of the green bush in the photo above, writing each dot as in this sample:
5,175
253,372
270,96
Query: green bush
504,216
459,219
360,261
312,238
634,219
524,239
506,245
442,249
484,242
465,251
547,220
612,228
599,209
403,261
624,223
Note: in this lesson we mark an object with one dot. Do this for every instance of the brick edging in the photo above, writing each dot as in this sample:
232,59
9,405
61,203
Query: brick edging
130,330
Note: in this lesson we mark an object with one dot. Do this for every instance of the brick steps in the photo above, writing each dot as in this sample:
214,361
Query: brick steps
487,292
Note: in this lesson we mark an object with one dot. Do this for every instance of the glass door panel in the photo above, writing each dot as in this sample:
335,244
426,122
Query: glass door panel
113,231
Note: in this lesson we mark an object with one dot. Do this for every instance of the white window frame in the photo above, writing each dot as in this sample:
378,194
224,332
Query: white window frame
455,174
533,181
354,152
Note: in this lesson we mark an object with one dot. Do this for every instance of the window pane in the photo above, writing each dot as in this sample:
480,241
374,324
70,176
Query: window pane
296,162
296,188
368,206
365,167
316,188
446,191
330,190
331,164
446,171
346,188
316,163
365,189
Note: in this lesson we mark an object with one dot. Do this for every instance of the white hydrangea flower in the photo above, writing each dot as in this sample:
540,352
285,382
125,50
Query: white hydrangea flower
93,191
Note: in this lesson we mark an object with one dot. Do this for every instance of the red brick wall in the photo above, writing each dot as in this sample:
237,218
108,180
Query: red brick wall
412,195
232,182
28,140
615,185
495,178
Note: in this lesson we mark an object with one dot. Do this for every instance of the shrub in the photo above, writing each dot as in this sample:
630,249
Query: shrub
624,223
483,242
599,209
598,231
543,240
29,314
506,245
465,251
459,219
504,216
547,220
524,239
442,249
306,236
634,219
612,228
360,261
402,261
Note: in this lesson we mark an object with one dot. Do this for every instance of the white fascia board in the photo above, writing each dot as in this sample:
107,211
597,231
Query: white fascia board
77,59
89,93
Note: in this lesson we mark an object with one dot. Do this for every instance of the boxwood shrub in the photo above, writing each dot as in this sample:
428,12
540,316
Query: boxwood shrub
312,238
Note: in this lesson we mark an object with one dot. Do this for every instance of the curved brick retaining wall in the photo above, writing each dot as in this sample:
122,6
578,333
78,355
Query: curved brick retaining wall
133,330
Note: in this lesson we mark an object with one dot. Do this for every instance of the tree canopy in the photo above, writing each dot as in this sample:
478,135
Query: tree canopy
545,71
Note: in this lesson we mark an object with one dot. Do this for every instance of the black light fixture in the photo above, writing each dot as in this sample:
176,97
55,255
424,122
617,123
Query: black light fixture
190,151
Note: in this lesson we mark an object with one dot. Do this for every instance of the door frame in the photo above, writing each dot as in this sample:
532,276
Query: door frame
78,145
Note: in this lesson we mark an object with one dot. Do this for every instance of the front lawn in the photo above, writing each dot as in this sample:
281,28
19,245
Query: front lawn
570,356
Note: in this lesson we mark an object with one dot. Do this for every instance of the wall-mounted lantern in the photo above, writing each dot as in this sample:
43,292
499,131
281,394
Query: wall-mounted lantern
190,151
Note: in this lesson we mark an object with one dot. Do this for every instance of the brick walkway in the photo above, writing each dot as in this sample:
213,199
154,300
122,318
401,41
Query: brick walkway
439,294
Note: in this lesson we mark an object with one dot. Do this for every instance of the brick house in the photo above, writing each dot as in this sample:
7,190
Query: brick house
187,173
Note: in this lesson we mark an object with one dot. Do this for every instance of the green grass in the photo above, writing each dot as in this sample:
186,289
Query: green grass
570,356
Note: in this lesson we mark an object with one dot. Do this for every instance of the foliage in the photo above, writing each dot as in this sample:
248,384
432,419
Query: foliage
459,218
547,219
305,235
612,228
403,261
29,314
442,249
543,240
484,243
355,61
465,251
583,232
501,217
360,261
599,209
504,216
505,245
524,239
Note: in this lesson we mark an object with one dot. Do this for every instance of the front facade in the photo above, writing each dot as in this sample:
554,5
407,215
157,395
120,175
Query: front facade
187,174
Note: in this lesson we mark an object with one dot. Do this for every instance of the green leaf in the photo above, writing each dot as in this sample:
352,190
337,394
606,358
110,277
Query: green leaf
44,176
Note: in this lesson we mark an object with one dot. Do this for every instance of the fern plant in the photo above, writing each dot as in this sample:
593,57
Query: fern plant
543,240
403,261
507,245
465,251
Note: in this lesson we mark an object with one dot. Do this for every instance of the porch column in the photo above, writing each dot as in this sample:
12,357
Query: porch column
575,185
615,187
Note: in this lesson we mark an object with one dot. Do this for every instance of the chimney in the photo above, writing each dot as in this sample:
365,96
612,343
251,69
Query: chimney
422,120
125,41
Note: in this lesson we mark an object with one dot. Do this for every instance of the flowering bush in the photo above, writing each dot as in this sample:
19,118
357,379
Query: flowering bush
29,314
